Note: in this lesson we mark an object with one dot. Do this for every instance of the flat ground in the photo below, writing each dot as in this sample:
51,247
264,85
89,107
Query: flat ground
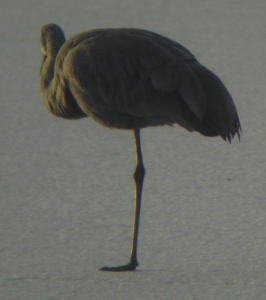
66,187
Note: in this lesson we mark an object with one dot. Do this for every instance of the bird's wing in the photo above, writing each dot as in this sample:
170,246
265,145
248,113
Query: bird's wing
143,75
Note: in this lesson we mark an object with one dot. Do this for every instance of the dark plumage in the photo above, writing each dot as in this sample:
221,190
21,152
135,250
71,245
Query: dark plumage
131,79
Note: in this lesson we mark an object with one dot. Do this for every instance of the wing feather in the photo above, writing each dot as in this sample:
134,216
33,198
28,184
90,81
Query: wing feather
133,78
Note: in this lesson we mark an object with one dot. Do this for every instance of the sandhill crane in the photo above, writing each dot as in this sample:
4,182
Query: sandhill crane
130,78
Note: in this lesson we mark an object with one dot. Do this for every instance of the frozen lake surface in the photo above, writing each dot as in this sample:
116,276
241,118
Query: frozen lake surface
66,196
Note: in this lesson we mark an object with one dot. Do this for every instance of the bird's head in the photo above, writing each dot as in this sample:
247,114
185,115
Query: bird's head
51,40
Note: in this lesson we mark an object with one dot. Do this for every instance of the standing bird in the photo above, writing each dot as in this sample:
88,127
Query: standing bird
132,79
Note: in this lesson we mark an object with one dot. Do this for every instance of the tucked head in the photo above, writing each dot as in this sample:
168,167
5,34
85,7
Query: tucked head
52,38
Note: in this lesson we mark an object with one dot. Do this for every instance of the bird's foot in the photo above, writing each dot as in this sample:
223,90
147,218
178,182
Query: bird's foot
124,268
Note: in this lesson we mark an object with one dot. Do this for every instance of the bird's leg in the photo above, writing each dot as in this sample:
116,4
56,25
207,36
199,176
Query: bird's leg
139,177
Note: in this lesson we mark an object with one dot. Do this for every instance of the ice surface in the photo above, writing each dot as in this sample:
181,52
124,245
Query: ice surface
66,186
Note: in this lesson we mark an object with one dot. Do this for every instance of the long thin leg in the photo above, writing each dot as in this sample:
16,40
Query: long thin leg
139,178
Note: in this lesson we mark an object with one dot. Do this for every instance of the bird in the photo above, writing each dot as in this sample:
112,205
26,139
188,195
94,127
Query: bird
129,78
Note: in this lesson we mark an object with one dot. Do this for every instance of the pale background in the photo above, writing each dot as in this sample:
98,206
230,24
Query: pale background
66,186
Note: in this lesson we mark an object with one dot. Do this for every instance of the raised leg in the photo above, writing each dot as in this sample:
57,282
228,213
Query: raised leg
139,178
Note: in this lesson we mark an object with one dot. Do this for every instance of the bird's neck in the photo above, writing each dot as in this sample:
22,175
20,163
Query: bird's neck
48,86
46,72
56,96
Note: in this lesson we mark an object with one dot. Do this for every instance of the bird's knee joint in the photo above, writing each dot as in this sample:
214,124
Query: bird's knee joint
139,172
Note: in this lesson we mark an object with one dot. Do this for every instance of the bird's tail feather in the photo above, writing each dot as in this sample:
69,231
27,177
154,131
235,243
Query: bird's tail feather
221,117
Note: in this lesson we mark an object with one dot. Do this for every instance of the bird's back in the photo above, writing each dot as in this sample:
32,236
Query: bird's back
130,78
